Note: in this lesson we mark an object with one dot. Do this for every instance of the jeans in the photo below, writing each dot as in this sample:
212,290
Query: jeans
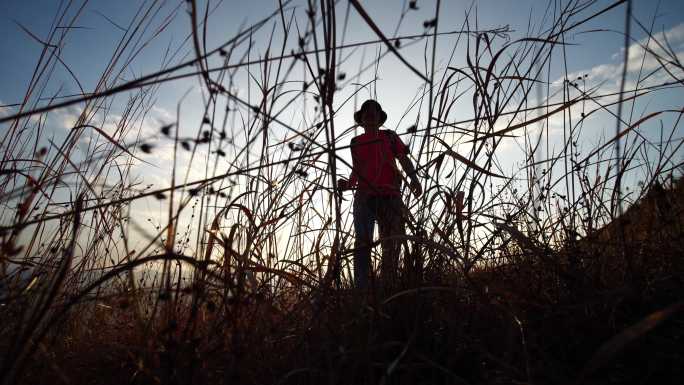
387,210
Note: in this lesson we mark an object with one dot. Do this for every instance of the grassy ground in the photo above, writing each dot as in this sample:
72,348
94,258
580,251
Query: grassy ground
530,273
589,312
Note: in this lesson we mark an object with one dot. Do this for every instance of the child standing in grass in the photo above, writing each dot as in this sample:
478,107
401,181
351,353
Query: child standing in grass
378,197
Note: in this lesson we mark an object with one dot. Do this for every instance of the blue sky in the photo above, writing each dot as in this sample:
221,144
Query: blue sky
87,49
595,50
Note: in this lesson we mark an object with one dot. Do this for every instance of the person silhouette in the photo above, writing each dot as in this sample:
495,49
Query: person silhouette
378,193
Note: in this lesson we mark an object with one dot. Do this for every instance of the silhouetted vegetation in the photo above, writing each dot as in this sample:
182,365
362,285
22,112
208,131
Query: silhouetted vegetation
563,269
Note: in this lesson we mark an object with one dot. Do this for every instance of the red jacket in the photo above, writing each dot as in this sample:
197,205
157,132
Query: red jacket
374,166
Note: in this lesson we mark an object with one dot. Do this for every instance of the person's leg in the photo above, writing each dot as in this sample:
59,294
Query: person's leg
364,218
391,223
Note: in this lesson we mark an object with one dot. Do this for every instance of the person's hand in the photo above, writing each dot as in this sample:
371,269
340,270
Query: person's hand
416,188
342,184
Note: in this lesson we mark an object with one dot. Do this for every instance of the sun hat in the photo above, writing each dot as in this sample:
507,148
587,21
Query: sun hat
367,104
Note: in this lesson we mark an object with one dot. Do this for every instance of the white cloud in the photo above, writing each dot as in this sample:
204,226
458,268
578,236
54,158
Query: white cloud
5,111
162,115
126,130
656,46
68,117
645,56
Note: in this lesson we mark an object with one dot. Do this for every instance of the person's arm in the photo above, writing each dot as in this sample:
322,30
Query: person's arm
410,171
353,180
344,184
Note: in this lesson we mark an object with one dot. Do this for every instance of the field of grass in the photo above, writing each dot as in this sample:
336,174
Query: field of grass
564,268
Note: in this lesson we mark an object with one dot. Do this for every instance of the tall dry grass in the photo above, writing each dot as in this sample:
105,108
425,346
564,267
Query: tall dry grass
549,273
